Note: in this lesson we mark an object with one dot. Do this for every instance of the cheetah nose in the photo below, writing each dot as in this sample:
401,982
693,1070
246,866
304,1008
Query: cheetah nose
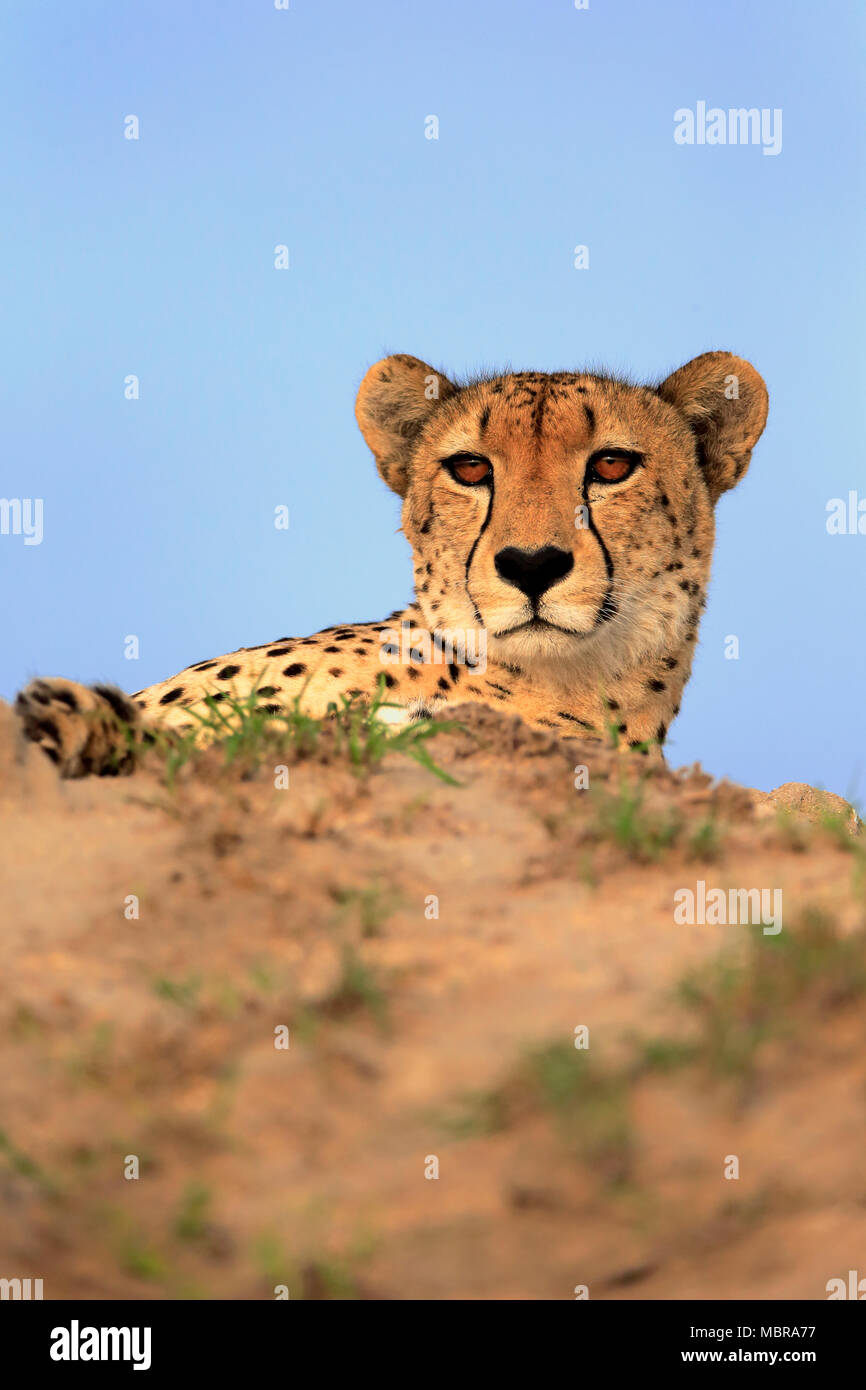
533,571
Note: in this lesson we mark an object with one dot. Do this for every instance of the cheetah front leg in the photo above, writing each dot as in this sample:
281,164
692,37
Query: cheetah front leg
84,729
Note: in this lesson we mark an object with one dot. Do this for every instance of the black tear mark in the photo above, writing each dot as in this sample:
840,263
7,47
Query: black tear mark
609,607
485,523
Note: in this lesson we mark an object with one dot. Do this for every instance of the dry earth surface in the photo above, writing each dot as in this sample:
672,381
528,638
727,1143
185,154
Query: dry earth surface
417,1038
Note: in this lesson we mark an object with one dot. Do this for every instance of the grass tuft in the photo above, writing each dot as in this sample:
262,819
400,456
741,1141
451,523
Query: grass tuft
251,734
740,1002
357,988
623,817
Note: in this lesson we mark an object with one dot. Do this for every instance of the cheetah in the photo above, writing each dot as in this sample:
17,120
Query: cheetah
562,529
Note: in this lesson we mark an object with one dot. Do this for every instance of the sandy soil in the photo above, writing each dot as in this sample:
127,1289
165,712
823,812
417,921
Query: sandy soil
418,1040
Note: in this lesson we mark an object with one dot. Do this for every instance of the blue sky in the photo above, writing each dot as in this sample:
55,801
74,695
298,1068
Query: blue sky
306,128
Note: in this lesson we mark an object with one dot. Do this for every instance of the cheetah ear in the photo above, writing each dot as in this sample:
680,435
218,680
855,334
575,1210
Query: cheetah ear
395,400
725,402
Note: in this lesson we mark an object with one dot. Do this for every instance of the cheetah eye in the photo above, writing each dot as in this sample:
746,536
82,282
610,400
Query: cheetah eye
469,469
612,465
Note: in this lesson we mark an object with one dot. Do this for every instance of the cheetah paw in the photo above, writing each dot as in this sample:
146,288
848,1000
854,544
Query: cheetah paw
83,729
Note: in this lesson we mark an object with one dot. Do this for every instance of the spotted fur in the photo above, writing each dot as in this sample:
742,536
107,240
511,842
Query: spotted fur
585,594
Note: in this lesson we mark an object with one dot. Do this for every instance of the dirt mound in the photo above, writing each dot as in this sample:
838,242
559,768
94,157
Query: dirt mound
514,1067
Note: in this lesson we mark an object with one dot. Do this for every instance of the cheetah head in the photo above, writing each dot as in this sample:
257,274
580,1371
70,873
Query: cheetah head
570,516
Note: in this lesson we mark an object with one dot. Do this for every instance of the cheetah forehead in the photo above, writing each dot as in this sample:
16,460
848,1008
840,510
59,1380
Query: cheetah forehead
556,405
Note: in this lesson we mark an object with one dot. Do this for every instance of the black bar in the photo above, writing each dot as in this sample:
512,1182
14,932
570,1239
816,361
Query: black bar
416,1340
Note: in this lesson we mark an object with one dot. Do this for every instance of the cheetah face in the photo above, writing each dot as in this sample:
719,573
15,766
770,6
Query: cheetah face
569,516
